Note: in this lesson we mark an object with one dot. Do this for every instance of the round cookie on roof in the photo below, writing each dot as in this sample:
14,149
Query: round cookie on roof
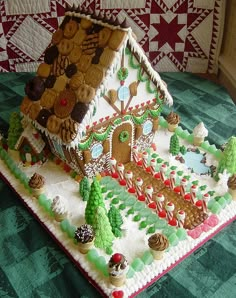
50,54
70,29
85,93
43,116
64,103
35,88
48,98
79,111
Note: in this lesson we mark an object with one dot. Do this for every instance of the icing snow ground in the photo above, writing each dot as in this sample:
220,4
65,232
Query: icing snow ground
134,242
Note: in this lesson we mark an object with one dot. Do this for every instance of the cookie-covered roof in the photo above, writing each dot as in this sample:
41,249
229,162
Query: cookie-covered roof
82,53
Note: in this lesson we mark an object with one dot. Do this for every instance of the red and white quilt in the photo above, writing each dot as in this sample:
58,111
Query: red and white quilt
177,35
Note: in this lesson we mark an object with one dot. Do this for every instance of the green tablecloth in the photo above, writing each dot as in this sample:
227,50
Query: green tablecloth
32,265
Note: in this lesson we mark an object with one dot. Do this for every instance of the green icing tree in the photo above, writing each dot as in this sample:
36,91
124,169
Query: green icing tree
174,145
103,231
84,188
15,129
228,159
183,150
116,221
95,200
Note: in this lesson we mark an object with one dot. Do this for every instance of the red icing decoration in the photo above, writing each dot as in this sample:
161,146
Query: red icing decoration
177,189
187,197
63,102
114,175
162,214
167,182
199,203
116,257
118,294
157,176
173,222
140,163
36,135
122,182
141,198
66,168
152,205
148,170
122,83
131,190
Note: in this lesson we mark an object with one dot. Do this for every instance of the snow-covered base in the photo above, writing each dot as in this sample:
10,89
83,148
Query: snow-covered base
59,182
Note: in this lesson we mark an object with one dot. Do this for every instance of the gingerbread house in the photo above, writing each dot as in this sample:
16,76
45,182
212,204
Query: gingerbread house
96,95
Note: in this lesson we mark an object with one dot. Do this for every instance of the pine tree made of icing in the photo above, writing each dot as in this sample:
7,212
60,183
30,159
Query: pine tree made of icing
95,200
116,221
103,230
228,159
174,145
15,130
84,188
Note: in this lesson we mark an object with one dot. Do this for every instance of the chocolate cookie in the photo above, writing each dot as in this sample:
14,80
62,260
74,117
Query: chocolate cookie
35,88
79,111
43,116
71,70
59,65
64,103
97,55
50,81
50,54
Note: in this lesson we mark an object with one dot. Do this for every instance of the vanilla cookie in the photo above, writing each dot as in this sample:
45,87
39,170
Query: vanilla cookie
54,124
44,70
76,80
64,103
94,76
103,36
34,110
65,46
79,36
70,29
57,36
85,23
84,62
116,39
59,65
85,93
75,54
60,83
25,105
48,98
107,57
68,130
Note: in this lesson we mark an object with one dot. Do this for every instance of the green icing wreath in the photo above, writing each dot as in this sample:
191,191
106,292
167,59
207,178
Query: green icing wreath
124,136
122,73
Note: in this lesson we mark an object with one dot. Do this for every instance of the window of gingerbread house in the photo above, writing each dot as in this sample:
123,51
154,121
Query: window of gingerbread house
96,150
147,127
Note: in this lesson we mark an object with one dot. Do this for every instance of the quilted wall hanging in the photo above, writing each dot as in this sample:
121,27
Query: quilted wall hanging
176,35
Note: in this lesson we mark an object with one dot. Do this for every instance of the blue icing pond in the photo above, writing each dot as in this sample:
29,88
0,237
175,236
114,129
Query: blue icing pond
193,161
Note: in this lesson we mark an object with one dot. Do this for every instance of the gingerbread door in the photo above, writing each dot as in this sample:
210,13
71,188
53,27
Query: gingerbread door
122,143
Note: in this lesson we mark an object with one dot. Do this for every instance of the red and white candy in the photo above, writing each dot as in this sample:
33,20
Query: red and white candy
129,179
159,202
153,163
138,186
120,169
205,199
170,207
135,154
163,170
172,179
183,186
148,194
181,218
193,193
145,159
113,165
